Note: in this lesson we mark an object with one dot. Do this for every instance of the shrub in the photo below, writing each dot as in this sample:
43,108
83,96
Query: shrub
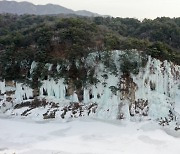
131,62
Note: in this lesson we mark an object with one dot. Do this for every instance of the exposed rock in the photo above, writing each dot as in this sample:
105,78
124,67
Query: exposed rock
10,83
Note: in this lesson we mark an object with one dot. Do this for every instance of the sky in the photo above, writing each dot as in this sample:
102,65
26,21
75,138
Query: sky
122,8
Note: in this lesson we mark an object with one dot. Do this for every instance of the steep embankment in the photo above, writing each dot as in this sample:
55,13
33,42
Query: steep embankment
149,91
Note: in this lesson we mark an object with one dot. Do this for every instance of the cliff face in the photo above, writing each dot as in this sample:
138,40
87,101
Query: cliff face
152,93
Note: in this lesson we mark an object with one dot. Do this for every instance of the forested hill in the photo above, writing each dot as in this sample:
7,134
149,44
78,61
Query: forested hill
50,39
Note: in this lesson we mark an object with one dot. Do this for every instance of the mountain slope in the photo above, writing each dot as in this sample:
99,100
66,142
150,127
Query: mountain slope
86,13
29,8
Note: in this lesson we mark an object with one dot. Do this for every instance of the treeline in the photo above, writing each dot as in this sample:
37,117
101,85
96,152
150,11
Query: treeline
163,29
159,37
52,39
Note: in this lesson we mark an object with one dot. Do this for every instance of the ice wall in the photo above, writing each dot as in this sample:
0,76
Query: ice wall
22,92
153,92
51,88
157,84
13,93
155,87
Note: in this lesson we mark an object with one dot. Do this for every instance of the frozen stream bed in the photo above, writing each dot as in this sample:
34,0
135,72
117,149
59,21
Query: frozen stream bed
85,136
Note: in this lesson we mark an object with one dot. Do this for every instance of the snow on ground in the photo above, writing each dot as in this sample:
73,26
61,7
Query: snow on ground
84,136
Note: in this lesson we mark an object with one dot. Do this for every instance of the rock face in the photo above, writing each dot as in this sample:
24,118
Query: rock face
153,93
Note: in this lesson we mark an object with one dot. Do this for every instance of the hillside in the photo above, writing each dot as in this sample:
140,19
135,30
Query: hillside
74,82
52,39
97,85
21,8
63,68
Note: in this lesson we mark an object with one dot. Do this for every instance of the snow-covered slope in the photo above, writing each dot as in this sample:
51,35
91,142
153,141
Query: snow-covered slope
153,93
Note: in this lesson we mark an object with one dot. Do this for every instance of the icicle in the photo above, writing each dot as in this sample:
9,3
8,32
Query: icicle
86,96
19,92
75,98
2,87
